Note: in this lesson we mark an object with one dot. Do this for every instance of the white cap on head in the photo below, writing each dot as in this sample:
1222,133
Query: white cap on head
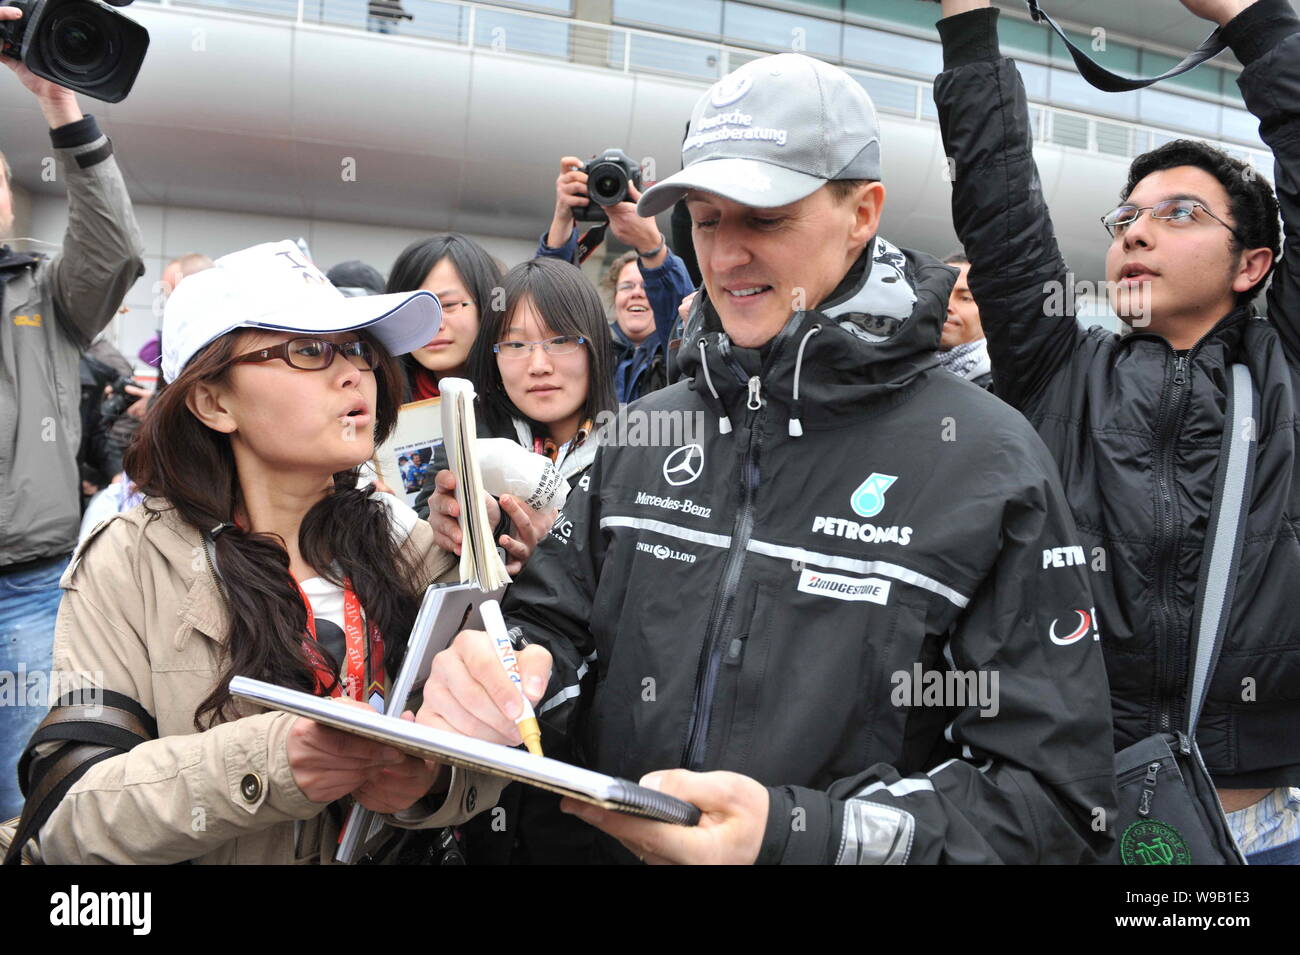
275,287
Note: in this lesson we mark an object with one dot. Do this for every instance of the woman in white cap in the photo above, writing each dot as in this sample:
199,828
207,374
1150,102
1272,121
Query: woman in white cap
254,553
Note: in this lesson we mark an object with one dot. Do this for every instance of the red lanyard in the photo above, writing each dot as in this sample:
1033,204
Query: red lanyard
364,671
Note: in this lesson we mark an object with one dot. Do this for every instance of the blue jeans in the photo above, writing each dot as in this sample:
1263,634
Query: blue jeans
29,604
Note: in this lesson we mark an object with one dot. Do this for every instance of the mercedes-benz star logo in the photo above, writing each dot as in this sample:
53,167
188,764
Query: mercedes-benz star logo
684,465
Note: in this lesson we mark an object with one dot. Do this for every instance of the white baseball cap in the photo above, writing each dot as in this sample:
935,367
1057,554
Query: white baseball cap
274,286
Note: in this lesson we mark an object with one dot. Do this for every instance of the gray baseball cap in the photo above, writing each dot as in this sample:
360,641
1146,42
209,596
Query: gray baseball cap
772,132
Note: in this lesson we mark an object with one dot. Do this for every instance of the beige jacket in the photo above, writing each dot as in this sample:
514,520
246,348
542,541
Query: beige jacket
142,615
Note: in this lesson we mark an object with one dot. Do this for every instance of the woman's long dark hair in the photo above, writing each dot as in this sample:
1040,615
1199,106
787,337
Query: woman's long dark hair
345,535
569,305
479,272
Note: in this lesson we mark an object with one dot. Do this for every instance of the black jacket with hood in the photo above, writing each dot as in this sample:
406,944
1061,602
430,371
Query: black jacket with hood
1135,428
759,598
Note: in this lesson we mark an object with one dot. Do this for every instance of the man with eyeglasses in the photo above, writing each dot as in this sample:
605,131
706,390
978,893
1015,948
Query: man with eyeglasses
1135,420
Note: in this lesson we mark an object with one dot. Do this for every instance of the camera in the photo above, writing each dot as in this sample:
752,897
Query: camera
84,45
607,177
118,400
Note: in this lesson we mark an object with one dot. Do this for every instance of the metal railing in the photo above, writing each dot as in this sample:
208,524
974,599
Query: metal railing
516,32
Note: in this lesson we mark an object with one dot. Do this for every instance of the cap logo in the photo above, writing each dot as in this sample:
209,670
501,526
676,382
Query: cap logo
729,89
308,271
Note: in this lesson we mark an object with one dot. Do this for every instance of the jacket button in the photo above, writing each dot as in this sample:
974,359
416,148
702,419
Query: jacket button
250,787
471,797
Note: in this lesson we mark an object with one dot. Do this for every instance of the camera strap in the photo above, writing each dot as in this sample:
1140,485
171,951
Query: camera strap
1103,79
590,241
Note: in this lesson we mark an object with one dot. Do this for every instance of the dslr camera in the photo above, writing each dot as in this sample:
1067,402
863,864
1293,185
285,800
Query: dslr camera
84,45
607,177
118,400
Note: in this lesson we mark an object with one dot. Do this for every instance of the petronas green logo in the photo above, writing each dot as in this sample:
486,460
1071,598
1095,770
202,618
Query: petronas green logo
869,499
1151,842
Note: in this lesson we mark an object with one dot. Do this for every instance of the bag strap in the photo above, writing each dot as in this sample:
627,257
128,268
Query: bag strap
91,732
1109,82
1221,560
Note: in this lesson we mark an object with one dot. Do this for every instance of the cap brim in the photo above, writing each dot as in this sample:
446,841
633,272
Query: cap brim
746,181
401,321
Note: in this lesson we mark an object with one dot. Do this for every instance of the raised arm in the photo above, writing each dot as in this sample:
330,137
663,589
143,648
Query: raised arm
1266,38
1017,274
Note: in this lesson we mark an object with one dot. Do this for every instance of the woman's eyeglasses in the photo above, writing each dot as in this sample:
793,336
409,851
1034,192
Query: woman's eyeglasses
314,354
559,345
1174,211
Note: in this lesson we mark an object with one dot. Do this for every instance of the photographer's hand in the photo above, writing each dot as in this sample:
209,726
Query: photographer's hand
570,192
640,233
59,105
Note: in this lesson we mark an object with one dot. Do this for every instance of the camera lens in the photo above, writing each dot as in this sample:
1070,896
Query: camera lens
607,184
81,43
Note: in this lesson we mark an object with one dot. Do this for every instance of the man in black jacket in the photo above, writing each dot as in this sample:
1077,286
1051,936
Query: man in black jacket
1135,421
851,662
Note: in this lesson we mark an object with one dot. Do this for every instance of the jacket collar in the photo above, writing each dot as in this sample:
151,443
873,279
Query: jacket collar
191,552
859,352
11,260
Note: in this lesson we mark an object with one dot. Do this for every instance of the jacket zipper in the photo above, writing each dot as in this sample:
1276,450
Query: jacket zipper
1170,665
715,642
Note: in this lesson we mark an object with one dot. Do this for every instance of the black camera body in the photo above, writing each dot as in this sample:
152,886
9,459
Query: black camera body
118,400
607,177
83,45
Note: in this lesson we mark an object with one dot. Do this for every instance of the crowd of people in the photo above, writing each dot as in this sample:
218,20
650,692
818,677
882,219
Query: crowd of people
880,493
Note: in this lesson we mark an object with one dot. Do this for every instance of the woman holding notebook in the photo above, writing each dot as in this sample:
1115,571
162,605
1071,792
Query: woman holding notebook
254,553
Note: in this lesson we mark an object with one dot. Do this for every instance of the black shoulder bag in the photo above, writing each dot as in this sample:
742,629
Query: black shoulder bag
1169,811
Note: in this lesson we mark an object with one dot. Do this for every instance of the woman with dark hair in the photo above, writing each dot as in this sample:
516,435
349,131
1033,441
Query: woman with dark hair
542,362
254,553
462,275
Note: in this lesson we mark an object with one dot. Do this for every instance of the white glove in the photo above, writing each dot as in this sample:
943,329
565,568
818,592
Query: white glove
509,468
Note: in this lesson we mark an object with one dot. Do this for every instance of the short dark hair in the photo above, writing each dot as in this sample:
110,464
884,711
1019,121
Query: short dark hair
569,305
842,189
1251,201
956,258
478,270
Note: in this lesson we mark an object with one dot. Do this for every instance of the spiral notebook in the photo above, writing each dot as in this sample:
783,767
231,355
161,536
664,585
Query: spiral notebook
466,752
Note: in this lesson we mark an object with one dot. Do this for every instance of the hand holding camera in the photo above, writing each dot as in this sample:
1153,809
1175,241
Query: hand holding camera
57,47
605,189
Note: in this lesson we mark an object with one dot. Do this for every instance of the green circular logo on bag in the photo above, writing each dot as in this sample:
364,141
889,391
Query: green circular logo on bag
1150,842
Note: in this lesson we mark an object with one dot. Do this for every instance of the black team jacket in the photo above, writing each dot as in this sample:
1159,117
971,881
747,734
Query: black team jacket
782,594
1135,428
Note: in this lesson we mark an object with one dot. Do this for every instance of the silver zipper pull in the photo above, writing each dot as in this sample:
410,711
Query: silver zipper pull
754,402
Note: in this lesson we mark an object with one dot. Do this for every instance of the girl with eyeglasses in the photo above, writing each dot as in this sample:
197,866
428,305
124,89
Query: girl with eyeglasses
254,553
542,362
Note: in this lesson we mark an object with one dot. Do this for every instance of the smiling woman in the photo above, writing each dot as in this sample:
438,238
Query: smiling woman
254,536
